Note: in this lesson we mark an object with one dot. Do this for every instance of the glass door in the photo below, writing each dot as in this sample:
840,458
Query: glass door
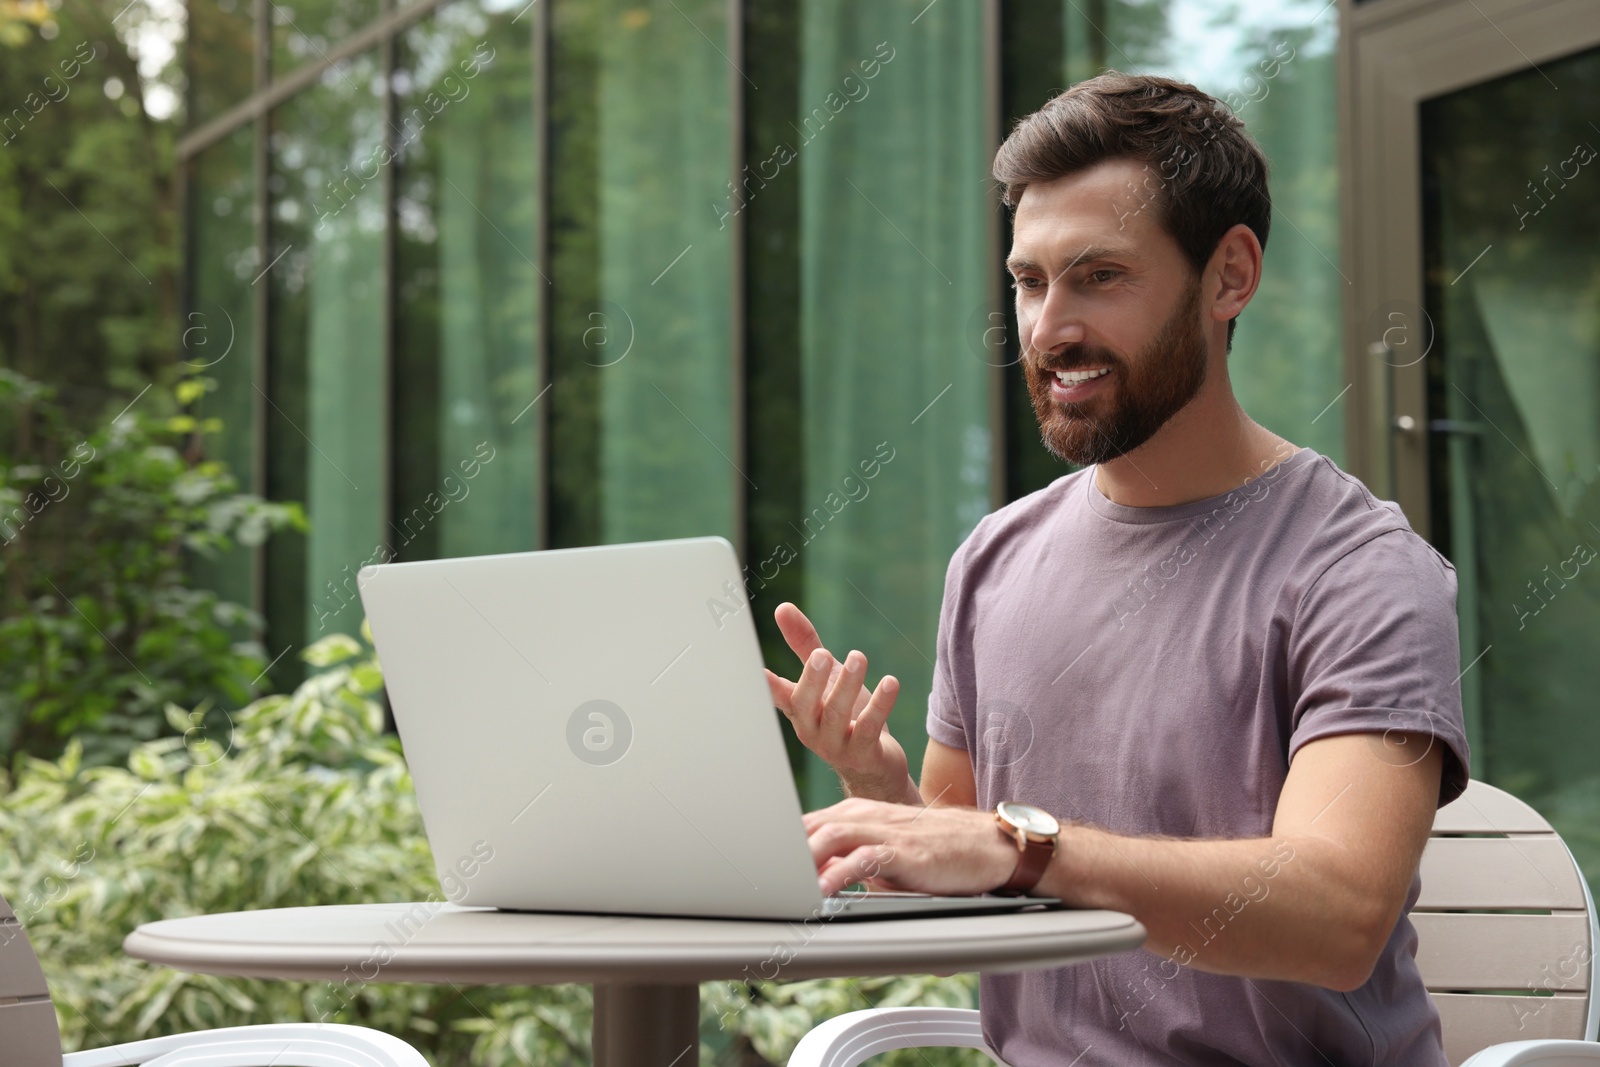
1510,234
1470,174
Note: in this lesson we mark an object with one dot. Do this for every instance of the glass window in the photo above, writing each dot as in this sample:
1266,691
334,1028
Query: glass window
219,335
869,269
1274,66
304,31
892,151
325,420
219,53
467,288
641,143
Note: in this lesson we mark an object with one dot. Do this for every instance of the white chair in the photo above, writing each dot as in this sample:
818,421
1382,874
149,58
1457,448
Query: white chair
1504,918
29,1037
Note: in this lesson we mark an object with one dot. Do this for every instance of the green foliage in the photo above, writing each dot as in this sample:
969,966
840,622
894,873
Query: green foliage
92,622
302,800
88,226
99,627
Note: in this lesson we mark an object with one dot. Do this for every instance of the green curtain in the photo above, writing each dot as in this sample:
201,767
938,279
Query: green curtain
326,419
218,339
490,294
667,455
344,358
894,261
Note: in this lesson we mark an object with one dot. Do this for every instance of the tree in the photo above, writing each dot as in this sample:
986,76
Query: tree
88,226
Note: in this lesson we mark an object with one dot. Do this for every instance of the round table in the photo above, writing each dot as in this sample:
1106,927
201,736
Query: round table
645,970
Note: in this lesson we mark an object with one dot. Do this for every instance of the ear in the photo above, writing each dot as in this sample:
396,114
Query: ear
1232,275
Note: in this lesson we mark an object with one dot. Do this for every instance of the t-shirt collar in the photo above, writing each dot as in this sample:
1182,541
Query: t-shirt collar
1105,507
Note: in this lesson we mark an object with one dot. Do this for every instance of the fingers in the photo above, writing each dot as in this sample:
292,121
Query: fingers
859,810
930,850
832,711
782,692
833,840
879,883
806,700
866,724
840,702
797,630
865,863
870,722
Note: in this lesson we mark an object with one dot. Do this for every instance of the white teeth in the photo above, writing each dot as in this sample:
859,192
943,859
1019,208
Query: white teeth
1073,377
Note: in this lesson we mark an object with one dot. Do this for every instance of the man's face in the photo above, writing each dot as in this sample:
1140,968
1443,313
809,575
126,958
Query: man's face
1109,312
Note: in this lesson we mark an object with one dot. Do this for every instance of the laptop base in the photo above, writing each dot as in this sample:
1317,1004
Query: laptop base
857,905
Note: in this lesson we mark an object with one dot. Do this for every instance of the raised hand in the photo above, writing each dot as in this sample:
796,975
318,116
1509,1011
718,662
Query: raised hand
838,718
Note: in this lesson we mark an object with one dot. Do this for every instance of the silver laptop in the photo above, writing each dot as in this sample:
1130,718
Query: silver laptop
590,730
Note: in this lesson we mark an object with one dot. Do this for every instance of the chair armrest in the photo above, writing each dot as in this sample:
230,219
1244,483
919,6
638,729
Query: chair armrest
1546,1053
277,1045
859,1035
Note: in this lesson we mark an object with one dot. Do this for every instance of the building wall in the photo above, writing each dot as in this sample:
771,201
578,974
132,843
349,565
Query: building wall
504,277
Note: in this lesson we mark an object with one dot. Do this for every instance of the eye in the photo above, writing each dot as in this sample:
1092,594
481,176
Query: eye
1023,283
1106,271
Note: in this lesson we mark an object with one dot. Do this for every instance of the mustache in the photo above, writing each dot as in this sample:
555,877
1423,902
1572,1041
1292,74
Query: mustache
1080,359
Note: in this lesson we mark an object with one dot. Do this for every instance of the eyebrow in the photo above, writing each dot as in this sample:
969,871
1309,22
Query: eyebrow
1090,254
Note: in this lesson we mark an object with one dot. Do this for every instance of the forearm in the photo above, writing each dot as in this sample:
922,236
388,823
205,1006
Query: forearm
903,792
1285,907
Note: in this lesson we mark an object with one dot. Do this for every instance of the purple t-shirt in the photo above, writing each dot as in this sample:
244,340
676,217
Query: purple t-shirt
1153,671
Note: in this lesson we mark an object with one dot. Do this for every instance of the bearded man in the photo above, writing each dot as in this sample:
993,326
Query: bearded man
1237,668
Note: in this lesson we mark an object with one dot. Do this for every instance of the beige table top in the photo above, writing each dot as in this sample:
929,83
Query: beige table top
438,942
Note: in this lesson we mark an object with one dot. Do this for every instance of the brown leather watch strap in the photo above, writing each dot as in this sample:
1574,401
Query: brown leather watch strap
1031,862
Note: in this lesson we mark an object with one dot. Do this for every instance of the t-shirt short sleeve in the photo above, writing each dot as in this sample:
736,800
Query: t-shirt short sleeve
946,724
1375,649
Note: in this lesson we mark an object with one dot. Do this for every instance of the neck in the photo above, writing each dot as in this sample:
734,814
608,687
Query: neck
1207,449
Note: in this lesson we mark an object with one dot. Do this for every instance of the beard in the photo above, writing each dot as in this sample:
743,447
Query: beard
1138,397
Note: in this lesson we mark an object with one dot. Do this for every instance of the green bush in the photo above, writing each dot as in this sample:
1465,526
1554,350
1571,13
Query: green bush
303,800
100,625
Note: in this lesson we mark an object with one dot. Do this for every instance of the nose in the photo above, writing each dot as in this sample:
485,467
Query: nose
1053,322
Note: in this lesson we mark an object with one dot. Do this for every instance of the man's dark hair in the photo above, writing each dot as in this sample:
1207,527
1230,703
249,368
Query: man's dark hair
1206,173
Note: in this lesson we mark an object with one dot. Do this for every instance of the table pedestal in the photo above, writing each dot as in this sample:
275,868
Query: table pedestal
646,1025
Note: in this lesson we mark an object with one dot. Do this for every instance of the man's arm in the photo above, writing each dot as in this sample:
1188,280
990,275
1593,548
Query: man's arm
1315,902
947,776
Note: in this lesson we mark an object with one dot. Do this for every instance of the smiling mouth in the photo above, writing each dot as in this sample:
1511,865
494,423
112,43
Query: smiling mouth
1076,377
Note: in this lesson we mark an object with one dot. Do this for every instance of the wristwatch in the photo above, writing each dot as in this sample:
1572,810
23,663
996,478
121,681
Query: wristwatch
1035,831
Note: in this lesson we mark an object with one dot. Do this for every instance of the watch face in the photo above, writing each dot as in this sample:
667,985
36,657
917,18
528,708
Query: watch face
1029,818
